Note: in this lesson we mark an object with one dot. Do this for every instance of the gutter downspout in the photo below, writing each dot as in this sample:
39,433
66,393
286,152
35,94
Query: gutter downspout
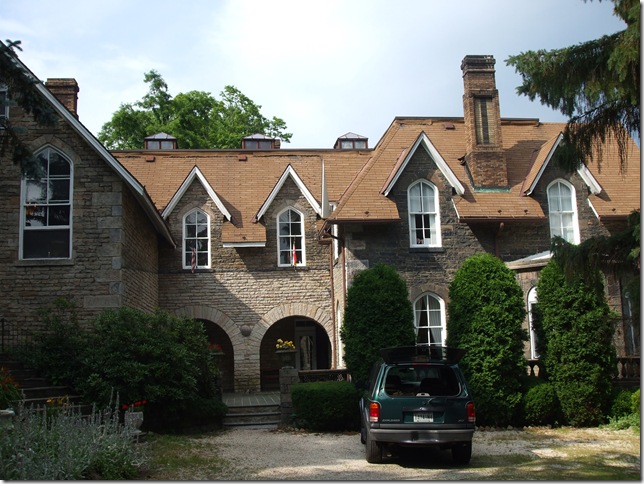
497,249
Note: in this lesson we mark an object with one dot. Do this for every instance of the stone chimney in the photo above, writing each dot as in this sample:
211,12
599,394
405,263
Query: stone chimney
66,91
485,158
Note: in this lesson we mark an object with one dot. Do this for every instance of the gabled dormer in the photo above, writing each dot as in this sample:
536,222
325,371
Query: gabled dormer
484,158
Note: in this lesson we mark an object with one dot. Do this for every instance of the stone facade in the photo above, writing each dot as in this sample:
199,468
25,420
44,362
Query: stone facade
125,253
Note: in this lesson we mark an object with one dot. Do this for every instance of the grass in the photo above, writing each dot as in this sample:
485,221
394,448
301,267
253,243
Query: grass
181,457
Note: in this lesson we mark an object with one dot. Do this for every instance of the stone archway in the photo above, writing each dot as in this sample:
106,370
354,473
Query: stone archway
300,323
221,330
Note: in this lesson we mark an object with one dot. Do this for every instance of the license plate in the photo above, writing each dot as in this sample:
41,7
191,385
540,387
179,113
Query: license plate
424,417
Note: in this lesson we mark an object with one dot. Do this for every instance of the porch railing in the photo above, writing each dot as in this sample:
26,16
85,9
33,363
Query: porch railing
308,376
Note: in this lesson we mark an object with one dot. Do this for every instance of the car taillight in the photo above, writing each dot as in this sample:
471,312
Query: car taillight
471,412
374,412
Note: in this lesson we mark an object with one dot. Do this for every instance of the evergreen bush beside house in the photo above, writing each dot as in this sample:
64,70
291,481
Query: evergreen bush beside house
485,314
378,315
579,355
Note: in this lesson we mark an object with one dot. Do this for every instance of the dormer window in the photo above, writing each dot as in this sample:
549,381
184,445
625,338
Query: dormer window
351,141
260,142
483,116
161,141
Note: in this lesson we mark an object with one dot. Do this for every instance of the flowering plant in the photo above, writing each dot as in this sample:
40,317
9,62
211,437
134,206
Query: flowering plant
9,389
215,347
134,407
284,345
58,401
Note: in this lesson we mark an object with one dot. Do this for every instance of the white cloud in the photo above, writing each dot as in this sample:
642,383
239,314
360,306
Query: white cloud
324,66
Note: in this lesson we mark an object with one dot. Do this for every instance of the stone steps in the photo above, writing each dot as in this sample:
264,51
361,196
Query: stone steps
252,416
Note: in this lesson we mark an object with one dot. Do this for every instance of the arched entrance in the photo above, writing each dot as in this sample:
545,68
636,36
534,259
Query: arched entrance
311,342
217,336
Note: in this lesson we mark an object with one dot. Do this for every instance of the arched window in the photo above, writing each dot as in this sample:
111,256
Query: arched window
562,207
532,321
47,209
196,240
429,320
290,230
424,220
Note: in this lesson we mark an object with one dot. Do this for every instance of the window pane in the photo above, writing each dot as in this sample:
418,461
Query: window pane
58,166
202,231
36,216
191,218
59,215
35,192
191,231
201,218
202,259
40,244
59,190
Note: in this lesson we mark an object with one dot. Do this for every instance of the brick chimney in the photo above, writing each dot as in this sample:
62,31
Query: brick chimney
485,158
66,91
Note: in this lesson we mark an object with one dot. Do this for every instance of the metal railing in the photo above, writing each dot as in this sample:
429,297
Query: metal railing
309,376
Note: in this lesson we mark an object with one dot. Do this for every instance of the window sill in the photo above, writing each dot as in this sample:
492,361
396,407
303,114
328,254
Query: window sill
44,262
434,250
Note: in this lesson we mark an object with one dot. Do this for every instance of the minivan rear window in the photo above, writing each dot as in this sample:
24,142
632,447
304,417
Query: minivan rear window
421,380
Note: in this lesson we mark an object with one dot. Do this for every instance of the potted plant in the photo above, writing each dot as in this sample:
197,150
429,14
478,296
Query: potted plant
285,351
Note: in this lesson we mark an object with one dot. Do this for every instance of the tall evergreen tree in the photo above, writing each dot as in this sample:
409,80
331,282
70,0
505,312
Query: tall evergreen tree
485,314
19,83
578,354
378,315
596,84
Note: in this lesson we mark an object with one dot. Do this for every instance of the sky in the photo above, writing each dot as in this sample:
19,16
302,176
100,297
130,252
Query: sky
326,67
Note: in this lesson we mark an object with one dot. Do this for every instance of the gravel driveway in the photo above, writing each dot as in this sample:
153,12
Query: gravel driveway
257,454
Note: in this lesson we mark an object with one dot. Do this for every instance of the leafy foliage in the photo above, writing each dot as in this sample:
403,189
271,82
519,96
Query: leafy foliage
596,84
156,357
541,405
20,84
65,445
9,390
327,405
378,315
579,354
195,118
486,311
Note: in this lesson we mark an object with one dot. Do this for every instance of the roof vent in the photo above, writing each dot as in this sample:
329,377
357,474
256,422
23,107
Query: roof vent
351,141
160,141
259,141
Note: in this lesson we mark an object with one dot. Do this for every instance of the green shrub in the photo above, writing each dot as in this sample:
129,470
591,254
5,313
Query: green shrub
541,405
326,406
157,357
622,403
65,445
579,355
486,311
635,402
61,344
378,315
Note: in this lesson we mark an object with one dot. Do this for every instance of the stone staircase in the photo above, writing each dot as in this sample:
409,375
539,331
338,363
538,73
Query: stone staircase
36,390
252,413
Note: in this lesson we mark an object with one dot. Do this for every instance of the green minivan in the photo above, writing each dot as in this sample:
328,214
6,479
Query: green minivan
418,396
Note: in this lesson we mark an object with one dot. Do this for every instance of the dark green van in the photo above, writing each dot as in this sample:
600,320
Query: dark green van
418,396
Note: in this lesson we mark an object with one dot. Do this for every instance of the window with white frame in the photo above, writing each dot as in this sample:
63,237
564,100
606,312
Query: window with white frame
429,320
424,220
562,207
290,230
46,215
196,240
532,321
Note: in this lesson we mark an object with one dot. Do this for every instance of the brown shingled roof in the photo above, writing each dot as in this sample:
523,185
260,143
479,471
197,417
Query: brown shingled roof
356,179
242,186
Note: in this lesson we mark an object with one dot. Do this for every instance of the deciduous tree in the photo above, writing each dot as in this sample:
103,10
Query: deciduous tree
195,118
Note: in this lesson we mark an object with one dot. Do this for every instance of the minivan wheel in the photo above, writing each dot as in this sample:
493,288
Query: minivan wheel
462,453
373,450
